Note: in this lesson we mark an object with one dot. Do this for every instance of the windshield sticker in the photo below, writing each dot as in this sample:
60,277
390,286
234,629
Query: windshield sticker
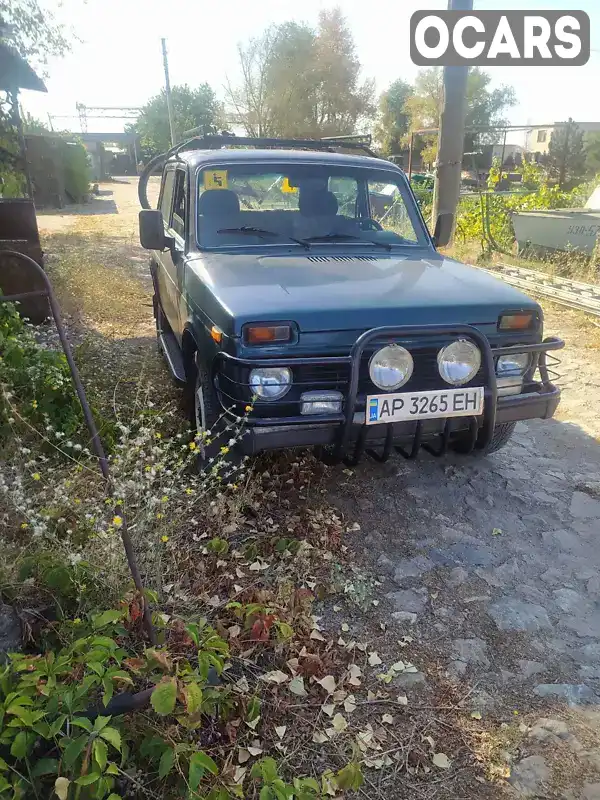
215,179
287,187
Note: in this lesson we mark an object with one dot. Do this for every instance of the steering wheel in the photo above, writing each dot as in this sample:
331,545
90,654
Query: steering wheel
370,225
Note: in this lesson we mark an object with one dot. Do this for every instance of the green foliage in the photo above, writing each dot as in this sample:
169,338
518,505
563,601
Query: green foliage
274,787
393,122
192,108
31,30
46,730
485,106
565,160
35,380
77,171
592,152
300,81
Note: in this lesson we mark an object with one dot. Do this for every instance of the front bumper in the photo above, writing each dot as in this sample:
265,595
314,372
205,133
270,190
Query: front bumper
345,436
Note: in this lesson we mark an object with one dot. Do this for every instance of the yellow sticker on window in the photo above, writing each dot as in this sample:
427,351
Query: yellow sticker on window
215,178
287,187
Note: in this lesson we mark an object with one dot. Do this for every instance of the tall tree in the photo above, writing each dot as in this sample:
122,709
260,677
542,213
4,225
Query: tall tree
565,160
485,106
192,108
592,153
296,81
394,119
32,30
342,101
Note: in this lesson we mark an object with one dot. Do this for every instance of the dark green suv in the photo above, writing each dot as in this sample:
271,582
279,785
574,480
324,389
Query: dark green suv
284,285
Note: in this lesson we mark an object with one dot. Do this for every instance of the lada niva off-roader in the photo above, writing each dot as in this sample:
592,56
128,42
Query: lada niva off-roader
285,283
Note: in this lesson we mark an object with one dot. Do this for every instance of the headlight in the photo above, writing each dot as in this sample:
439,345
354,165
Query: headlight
514,365
459,362
270,383
391,367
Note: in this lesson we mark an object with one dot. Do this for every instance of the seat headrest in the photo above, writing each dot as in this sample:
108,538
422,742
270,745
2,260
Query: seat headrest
317,203
218,202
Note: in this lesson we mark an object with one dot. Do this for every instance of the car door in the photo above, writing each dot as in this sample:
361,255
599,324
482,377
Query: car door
164,258
171,260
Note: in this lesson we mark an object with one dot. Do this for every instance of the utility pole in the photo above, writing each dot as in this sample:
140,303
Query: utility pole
168,92
452,132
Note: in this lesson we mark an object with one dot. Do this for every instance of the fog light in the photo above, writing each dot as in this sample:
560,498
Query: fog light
321,402
510,370
270,383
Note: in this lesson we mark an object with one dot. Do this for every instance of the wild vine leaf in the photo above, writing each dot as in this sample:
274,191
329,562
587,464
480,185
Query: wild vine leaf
193,697
277,676
164,696
100,750
165,765
61,788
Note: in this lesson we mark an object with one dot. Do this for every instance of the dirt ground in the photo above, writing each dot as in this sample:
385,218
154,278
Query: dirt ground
490,566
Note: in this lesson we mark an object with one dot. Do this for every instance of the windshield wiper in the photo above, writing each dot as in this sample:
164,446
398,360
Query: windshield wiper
262,232
345,236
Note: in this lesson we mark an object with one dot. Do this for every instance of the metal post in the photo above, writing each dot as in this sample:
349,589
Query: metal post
410,154
452,130
502,156
168,92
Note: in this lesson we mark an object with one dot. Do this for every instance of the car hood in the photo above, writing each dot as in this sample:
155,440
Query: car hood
350,292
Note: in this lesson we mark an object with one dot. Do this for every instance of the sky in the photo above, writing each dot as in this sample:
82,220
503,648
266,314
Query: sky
116,57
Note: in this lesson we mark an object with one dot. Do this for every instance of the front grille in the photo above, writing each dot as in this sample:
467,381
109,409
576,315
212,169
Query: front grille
307,377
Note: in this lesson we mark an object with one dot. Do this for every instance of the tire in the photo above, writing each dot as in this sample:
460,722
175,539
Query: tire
500,438
205,414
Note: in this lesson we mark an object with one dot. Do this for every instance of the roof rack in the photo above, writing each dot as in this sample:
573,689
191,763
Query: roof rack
330,143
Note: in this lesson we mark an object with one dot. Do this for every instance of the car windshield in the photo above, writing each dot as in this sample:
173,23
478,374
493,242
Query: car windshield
303,205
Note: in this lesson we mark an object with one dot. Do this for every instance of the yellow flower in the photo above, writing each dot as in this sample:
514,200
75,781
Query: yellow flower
158,435
248,408
224,450
159,515
117,521
24,525
189,491
36,476
77,501
147,468
164,499
77,621
119,503
34,404
193,445
164,538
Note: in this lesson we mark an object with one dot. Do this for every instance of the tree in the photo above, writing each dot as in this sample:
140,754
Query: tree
485,106
592,153
394,119
296,81
192,108
32,31
565,160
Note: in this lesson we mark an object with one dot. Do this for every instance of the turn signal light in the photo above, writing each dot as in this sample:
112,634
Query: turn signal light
520,321
268,334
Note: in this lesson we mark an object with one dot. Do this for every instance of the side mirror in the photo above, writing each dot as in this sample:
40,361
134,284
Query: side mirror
443,229
152,230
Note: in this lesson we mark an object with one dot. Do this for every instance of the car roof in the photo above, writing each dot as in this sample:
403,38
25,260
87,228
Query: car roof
197,158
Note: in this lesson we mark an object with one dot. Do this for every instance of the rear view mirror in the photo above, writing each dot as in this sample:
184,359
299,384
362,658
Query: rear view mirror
443,229
152,230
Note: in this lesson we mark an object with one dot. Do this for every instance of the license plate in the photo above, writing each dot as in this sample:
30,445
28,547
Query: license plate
403,406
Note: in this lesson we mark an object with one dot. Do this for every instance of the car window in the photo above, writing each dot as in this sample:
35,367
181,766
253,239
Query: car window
179,202
346,194
253,204
166,195
389,210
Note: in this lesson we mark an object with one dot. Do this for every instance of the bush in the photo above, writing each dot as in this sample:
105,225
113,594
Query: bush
77,171
35,381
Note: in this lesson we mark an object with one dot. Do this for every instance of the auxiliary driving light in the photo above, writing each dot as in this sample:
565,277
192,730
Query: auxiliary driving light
459,362
391,367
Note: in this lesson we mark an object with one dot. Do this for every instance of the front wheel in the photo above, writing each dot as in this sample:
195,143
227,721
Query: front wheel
206,418
500,438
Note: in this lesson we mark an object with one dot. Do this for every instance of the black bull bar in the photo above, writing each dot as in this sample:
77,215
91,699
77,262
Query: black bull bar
480,435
